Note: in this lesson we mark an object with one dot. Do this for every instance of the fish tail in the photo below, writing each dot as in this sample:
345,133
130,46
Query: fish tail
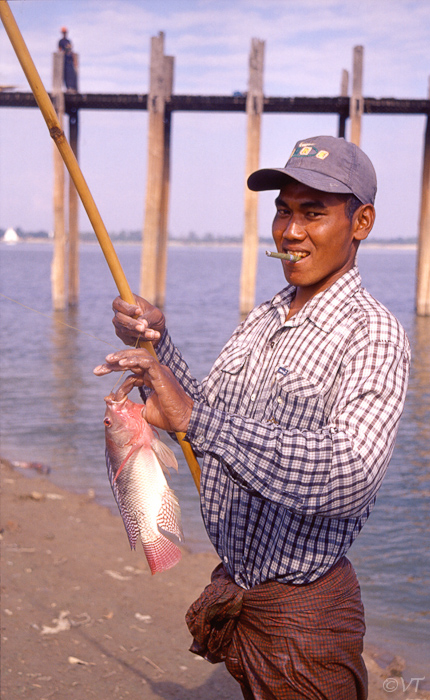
161,554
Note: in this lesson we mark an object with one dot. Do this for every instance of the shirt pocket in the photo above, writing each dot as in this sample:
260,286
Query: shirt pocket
228,392
296,403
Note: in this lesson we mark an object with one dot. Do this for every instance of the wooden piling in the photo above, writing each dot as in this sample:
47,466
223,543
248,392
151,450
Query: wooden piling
254,109
344,82
73,238
356,106
423,252
58,267
155,169
161,262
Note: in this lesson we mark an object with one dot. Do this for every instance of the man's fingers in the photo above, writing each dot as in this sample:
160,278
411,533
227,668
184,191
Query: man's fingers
140,320
123,320
139,357
122,306
100,370
137,326
137,361
129,384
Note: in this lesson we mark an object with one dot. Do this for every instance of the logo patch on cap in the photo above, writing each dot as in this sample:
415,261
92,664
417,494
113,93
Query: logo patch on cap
306,150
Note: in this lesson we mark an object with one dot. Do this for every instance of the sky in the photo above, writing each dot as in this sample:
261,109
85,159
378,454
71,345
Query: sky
307,45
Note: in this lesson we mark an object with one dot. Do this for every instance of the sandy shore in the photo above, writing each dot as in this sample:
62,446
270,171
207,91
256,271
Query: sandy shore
82,617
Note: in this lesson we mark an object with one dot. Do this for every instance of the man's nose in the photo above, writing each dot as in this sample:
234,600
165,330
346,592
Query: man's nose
294,230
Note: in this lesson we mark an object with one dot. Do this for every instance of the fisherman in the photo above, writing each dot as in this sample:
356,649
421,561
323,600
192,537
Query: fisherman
69,72
294,428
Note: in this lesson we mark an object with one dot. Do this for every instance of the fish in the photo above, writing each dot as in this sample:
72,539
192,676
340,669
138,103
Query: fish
137,461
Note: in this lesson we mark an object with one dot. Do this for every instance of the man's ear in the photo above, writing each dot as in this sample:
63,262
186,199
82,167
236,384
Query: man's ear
364,218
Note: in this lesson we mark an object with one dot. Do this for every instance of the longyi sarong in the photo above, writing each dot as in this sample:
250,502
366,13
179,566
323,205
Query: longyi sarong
285,642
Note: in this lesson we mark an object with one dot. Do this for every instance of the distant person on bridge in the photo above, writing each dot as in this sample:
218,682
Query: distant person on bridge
69,73
294,427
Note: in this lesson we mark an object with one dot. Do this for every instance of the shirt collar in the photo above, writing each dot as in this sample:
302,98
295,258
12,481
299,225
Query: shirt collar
324,309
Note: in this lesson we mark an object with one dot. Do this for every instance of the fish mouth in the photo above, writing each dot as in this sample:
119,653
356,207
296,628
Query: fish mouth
121,394
113,398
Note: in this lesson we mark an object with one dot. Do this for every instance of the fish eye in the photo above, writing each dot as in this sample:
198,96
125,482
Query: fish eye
107,422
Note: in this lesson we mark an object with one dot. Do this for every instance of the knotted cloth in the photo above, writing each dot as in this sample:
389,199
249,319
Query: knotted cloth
213,617
285,642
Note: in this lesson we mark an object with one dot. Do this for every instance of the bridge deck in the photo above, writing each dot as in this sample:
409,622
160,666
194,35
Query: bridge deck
220,103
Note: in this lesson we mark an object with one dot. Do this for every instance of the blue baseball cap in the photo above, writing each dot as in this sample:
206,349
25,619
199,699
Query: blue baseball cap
324,163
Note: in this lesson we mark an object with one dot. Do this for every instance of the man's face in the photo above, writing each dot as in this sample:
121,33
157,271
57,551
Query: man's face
314,224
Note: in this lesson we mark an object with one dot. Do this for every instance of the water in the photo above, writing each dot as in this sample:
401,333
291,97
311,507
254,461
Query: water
52,405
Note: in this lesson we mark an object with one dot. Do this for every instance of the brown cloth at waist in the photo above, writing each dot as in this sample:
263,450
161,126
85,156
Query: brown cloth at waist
213,617
283,641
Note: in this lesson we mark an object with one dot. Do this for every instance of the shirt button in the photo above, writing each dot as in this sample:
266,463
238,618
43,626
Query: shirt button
279,400
199,439
225,560
253,397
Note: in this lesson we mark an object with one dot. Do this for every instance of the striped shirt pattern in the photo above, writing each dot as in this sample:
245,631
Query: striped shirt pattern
294,427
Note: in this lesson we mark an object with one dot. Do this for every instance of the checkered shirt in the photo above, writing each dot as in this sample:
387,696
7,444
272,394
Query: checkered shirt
294,427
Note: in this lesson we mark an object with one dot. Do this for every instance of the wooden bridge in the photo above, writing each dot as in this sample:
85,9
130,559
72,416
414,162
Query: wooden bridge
160,103
219,103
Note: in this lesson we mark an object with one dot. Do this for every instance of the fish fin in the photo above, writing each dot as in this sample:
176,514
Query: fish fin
130,524
165,456
169,516
161,554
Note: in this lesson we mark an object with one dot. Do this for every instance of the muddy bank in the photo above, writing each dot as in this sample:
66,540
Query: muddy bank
82,617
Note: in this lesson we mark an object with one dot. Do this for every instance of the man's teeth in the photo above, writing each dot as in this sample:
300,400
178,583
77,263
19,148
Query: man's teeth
297,253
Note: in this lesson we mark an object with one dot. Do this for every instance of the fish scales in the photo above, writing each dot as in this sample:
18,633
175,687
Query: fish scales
136,461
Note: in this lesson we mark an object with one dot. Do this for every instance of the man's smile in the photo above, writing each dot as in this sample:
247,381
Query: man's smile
298,253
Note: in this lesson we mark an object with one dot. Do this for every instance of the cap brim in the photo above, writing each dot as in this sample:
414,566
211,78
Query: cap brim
277,178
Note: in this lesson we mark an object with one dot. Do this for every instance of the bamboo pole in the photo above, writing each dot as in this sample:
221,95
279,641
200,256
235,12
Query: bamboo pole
254,108
48,112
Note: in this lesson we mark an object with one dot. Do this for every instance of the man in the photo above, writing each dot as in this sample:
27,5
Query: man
294,427
69,70
64,44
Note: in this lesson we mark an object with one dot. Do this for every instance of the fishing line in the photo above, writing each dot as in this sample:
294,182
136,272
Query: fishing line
121,375
62,323
74,328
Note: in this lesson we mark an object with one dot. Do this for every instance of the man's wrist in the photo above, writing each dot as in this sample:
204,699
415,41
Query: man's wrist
183,424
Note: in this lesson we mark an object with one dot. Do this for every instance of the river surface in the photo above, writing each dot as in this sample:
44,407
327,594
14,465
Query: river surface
52,405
